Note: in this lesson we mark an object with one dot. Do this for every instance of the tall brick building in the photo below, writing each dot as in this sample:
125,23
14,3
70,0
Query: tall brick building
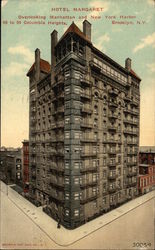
84,129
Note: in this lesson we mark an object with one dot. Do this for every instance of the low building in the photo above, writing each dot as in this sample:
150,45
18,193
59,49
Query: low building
25,166
11,166
146,179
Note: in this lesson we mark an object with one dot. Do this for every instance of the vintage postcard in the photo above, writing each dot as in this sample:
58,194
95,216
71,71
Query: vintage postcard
77,156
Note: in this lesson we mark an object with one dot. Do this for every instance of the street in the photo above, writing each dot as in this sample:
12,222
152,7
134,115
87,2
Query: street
24,226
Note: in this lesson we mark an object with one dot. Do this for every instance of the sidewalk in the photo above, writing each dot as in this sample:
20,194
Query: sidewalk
62,236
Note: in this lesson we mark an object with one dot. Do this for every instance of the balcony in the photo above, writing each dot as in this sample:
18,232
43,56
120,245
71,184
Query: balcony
95,66
89,154
112,189
87,169
131,163
85,81
86,124
130,131
57,125
59,110
127,98
85,95
131,184
113,104
88,199
130,121
59,82
131,173
131,142
88,139
112,176
56,196
86,109
112,151
112,127
58,97
112,141
113,92
57,138
85,184
56,166
56,182
131,111
112,163
113,115
135,102
132,152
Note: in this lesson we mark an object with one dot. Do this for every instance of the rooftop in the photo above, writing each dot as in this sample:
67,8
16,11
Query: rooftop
44,66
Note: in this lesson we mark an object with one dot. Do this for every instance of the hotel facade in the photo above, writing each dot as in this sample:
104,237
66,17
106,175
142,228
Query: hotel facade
84,129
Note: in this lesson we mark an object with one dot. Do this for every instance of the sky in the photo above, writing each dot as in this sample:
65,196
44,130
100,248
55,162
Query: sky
119,41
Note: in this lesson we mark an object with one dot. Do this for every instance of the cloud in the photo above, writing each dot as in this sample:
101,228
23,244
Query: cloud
24,51
15,69
101,40
99,3
145,42
151,67
4,2
151,2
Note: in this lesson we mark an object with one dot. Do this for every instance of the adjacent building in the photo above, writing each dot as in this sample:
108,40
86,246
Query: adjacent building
25,166
84,129
11,166
146,179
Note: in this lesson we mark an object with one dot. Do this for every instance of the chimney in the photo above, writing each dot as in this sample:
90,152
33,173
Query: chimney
87,29
54,40
128,64
37,64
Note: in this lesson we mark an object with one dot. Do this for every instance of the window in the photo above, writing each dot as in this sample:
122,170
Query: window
104,111
104,200
67,74
94,190
95,135
104,161
77,119
76,212
67,150
66,196
96,95
104,174
94,177
67,104
67,119
77,135
77,149
95,204
76,196
94,163
76,180
95,109
95,122
67,165
67,135
77,90
104,187
77,74
67,91
119,171
77,165
66,180
67,212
